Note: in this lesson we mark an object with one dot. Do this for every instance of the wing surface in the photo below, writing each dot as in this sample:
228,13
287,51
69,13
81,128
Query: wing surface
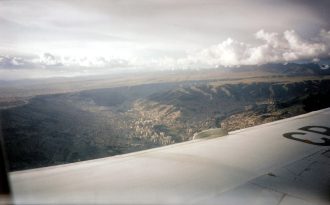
284,162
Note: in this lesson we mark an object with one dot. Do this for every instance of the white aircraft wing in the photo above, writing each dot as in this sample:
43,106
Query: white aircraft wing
284,162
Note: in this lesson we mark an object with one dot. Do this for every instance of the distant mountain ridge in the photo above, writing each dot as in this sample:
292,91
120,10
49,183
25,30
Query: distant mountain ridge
290,69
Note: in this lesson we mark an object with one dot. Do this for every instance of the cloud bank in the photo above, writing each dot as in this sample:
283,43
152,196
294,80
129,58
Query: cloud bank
271,47
274,48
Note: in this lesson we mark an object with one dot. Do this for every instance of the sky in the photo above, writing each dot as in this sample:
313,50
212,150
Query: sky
43,38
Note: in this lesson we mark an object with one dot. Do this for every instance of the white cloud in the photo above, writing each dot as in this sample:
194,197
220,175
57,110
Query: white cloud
14,62
48,59
324,67
274,48
51,61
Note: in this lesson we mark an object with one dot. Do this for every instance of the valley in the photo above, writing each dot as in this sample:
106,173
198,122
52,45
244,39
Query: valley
88,124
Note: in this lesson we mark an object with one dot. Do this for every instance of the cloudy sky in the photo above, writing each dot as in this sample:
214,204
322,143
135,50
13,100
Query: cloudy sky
42,38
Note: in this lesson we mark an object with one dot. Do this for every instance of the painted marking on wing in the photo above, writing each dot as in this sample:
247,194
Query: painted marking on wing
321,131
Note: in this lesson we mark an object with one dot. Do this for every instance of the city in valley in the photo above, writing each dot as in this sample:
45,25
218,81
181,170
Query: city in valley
67,120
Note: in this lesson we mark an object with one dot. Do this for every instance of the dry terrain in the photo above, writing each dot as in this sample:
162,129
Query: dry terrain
69,120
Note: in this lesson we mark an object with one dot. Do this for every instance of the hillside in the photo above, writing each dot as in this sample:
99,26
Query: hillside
63,128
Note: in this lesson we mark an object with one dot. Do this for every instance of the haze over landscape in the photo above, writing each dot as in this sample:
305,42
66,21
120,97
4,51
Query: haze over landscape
82,80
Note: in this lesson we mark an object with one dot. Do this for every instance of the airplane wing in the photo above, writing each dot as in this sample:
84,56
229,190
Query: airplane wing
283,162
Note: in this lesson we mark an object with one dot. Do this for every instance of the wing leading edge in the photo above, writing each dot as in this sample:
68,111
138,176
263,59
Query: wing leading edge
284,162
